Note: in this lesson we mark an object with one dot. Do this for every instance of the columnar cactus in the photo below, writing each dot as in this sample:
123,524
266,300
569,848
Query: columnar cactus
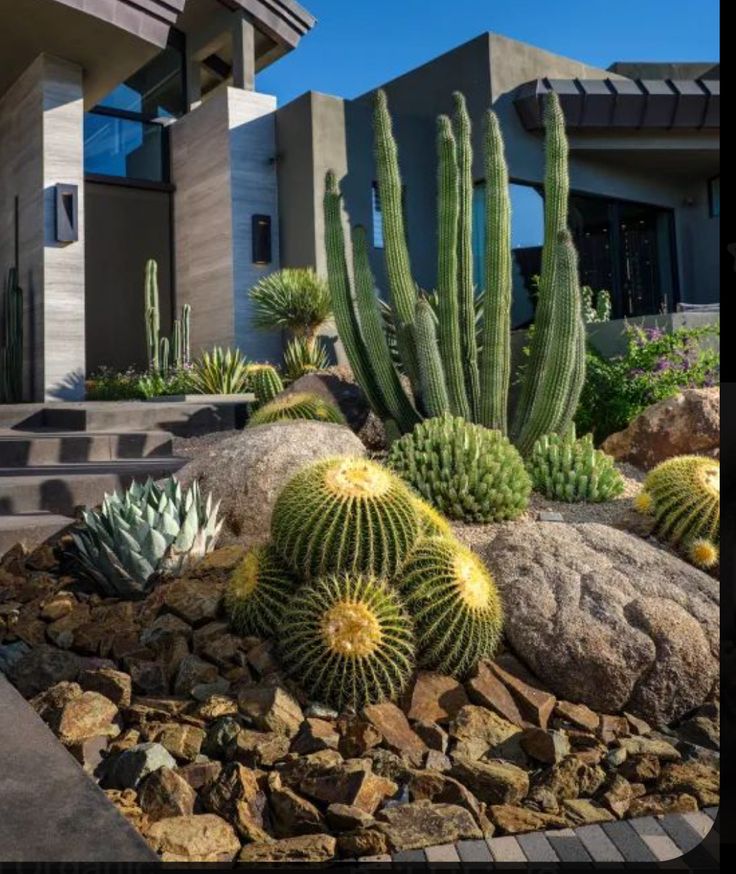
153,319
186,323
455,605
466,471
11,350
299,405
431,371
259,589
564,468
265,381
347,640
344,514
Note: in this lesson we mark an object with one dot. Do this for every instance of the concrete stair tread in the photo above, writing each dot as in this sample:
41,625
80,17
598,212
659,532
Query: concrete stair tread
93,468
50,433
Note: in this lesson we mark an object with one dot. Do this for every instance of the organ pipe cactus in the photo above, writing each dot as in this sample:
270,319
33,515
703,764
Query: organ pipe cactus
153,318
147,529
162,352
344,514
258,591
299,405
11,350
476,380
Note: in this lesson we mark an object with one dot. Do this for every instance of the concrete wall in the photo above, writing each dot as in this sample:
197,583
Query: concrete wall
222,164
41,144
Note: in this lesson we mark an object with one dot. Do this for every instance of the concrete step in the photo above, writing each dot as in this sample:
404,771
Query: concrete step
30,529
29,448
61,488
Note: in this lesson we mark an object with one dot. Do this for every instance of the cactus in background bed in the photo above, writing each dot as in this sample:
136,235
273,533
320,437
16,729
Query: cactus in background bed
153,319
11,351
265,381
186,319
300,405
431,371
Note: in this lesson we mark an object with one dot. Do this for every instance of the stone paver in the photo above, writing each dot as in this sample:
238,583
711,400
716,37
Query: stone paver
628,842
537,848
567,845
700,821
711,811
598,844
655,837
681,832
474,851
384,857
409,856
506,849
442,853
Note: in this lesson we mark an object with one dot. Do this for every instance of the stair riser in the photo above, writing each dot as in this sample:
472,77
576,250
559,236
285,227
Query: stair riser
179,420
32,450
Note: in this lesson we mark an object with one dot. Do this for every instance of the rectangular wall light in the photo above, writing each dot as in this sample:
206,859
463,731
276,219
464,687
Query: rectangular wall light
261,233
67,213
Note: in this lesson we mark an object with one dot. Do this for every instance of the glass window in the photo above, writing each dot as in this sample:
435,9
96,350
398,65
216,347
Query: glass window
123,147
156,90
714,197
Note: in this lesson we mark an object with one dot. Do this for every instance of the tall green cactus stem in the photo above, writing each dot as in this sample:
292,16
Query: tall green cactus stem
556,195
342,299
554,353
495,369
186,320
431,372
176,352
153,321
11,351
371,325
466,286
396,251
448,334
164,360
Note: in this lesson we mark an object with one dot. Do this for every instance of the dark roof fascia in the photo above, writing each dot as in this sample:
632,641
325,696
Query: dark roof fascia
680,104
284,21
150,20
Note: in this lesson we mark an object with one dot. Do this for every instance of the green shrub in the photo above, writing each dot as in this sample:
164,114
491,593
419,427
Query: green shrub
222,371
145,530
106,384
173,382
569,469
258,590
299,405
455,605
466,471
344,514
347,641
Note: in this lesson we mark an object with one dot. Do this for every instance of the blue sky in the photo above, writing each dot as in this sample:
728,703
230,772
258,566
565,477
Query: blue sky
358,44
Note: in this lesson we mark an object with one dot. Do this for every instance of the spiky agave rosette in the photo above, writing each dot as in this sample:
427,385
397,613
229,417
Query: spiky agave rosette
344,514
300,405
456,608
145,530
258,590
347,640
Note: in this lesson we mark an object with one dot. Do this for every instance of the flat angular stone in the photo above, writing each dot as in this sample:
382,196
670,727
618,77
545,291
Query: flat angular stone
182,741
618,795
194,601
398,736
433,735
577,714
478,731
510,819
197,838
236,796
437,761
164,793
545,746
486,689
570,778
133,764
90,752
434,697
422,824
115,685
44,666
663,750
193,671
351,782
692,778
357,736
493,782
442,788
347,817
271,708
291,815
658,805
308,848
613,727
362,844
199,775
260,748
536,704
148,677
315,734
582,811
641,768
78,716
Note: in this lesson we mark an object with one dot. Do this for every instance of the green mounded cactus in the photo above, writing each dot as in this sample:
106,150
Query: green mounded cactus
466,471
456,608
259,589
344,514
265,382
683,494
564,468
347,640
299,405
146,530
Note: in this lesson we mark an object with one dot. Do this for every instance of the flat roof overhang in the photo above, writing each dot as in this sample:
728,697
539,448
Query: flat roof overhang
682,104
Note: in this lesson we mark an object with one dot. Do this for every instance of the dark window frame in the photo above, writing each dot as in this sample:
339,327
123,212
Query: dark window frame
713,211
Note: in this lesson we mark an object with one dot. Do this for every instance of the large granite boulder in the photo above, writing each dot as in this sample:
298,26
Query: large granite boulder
686,424
605,619
247,471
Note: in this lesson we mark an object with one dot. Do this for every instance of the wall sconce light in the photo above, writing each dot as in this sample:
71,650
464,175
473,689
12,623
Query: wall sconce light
67,215
261,233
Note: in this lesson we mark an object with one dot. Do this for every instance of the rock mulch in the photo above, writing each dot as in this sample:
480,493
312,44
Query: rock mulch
213,755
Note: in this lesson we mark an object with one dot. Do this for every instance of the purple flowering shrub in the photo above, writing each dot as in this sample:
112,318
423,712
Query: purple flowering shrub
656,366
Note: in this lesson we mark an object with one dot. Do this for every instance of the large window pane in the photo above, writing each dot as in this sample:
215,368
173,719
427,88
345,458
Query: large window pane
121,147
157,89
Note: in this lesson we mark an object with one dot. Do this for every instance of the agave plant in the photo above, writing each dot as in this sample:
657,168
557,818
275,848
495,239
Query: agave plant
302,356
146,530
220,372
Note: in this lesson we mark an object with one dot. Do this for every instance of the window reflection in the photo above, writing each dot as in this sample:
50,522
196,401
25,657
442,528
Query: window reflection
121,147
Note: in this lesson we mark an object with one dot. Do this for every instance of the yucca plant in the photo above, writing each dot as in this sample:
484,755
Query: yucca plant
147,529
302,356
294,299
347,640
222,371
299,405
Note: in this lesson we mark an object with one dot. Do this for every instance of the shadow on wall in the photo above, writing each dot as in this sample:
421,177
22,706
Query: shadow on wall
71,387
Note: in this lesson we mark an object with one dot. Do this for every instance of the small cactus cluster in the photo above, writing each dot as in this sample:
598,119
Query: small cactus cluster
361,580
683,494
299,405
468,472
564,468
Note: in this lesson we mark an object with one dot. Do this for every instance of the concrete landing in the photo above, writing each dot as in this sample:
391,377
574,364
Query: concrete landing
30,529
50,810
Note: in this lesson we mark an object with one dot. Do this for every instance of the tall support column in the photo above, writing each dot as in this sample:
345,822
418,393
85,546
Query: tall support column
244,55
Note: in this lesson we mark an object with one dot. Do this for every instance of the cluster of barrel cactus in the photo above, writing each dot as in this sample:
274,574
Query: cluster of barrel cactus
381,585
438,348
468,472
146,530
565,468
683,494
299,405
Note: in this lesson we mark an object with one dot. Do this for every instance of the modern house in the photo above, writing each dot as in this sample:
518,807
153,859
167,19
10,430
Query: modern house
132,129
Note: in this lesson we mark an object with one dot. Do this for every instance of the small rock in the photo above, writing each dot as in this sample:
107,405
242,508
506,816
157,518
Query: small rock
357,736
437,761
616,757
213,704
165,793
262,658
535,703
115,685
550,516
577,714
133,764
148,677
435,737
197,838
618,795
43,666
199,775
257,748
439,787
194,601
434,698
315,734
291,815
658,805
193,671
613,727
478,732
320,711
663,750
125,740
636,725
307,848
511,819
90,752
351,782
640,768
362,843
486,689
398,736
545,746
271,708
580,811
493,782
220,737
10,653
236,796
58,605
182,741
422,824
75,716
346,817
692,778
571,778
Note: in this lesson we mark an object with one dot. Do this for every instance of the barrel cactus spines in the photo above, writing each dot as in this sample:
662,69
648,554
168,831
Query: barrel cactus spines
683,494
257,592
456,608
299,405
565,468
344,514
265,381
11,349
448,333
432,522
495,365
466,471
431,371
347,641
153,319
145,530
